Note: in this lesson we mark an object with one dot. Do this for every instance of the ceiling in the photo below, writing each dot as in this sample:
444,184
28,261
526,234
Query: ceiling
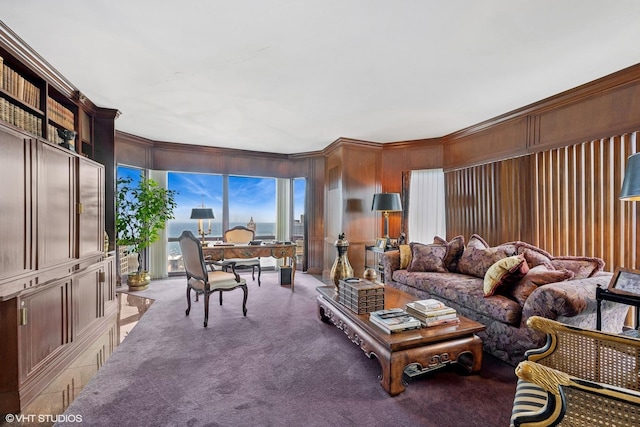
289,76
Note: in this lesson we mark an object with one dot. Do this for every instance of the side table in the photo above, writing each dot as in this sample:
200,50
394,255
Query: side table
375,262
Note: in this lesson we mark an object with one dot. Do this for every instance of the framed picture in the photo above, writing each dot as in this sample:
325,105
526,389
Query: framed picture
381,244
625,282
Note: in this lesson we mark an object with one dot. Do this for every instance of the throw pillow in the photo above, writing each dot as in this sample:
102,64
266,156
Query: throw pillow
478,257
405,256
535,258
505,272
582,267
427,258
455,248
537,276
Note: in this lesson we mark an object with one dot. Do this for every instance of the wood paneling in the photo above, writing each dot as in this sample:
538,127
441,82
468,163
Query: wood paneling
611,112
503,140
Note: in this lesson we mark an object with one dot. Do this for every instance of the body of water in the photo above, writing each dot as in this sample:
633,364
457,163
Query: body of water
176,228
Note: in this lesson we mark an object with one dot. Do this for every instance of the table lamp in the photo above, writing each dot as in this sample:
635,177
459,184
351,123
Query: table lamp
385,203
201,214
631,185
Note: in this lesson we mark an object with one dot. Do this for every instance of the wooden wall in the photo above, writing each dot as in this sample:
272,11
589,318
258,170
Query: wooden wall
547,173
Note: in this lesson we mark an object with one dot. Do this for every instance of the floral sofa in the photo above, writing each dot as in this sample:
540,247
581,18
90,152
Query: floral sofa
502,286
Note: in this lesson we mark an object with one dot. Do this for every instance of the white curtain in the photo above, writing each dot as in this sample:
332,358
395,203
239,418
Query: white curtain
426,206
158,264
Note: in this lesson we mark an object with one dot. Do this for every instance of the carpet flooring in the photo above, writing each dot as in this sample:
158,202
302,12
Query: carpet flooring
279,366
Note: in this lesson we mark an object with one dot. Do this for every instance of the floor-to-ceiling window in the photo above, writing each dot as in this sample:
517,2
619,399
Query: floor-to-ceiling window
235,200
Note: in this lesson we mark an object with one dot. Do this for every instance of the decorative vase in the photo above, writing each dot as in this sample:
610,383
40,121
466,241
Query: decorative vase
138,280
341,267
370,274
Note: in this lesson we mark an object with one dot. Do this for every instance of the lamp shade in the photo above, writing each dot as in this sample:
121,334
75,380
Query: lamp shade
202,213
387,202
631,184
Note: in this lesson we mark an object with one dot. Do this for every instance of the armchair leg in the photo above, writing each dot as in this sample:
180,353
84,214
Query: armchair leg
220,297
259,273
244,300
206,308
188,300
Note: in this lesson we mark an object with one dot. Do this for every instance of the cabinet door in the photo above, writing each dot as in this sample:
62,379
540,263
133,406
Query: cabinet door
88,297
91,216
46,327
55,207
16,253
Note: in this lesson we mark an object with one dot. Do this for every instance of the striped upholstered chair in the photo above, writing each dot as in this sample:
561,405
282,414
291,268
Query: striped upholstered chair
580,378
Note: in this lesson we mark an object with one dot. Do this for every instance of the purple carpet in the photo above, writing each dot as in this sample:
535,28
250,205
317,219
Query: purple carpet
279,366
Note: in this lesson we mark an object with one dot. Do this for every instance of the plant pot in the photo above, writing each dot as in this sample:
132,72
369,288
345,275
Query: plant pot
138,281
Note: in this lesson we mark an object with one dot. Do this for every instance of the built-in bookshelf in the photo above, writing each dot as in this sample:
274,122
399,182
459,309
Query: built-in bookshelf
31,104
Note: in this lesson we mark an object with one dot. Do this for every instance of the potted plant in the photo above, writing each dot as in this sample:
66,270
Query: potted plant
142,210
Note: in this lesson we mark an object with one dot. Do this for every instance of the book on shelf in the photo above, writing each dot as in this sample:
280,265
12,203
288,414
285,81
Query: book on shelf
394,320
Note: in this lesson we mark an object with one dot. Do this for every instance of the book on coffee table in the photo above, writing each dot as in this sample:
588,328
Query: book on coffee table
394,320
442,316
428,304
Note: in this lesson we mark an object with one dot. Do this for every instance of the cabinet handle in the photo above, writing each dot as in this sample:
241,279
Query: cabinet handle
79,208
102,277
23,316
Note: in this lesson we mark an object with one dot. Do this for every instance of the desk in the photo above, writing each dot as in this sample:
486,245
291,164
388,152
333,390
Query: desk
220,252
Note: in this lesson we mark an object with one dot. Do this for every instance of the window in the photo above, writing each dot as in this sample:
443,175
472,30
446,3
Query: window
254,199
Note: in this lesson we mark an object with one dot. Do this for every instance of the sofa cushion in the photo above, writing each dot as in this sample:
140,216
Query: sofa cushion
504,273
455,248
465,291
405,256
478,257
536,276
427,257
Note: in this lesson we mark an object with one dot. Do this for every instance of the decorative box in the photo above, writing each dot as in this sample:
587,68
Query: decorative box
362,296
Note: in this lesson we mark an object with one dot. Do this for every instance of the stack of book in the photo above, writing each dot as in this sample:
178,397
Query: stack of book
361,296
432,312
394,320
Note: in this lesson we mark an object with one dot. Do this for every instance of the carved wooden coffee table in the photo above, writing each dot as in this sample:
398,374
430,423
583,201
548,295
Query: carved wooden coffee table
418,350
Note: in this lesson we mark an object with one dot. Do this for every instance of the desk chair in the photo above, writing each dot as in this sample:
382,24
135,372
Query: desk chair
203,281
241,235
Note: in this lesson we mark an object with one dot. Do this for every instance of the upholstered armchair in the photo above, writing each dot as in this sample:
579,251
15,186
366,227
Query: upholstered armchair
581,377
205,282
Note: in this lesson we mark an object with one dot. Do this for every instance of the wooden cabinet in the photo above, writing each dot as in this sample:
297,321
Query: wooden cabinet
57,285
48,326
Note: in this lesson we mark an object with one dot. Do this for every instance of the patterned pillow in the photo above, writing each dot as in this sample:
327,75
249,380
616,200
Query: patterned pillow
535,258
504,273
582,267
427,258
478,257
455,248
537,276
405,256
